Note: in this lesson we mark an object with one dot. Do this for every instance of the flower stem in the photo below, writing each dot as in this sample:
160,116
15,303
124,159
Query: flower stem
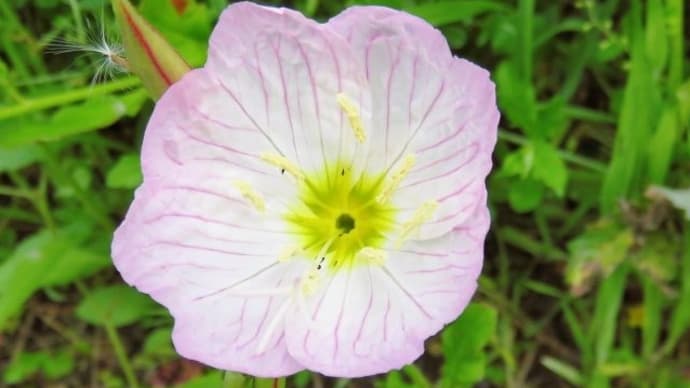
119,349
40,103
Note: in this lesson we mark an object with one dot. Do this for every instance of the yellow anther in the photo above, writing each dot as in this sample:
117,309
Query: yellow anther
283,163
251,195
396,178
289,252
353,116
311,282
420,216
372,255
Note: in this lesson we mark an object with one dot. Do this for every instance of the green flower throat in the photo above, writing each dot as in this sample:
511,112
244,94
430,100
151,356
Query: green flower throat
340,213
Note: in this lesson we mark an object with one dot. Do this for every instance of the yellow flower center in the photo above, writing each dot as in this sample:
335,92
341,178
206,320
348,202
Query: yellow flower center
338,210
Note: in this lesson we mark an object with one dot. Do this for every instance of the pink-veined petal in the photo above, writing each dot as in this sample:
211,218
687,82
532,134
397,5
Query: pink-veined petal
284,72
359,25
212,261
426,103
372,319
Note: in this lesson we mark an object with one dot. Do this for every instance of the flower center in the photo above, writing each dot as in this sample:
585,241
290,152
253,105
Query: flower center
340,211
345,222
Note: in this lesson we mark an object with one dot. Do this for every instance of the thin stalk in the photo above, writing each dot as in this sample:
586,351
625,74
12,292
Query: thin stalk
40,103
586,114
121,355
567,156
79,24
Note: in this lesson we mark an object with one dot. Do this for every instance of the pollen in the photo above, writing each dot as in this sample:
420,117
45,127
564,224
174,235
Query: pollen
283,163
251,195
372,255
337,215
396,178
422,215
353,116
310,282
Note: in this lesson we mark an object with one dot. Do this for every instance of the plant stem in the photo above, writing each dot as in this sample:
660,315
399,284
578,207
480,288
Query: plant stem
40,103
567,156
121,355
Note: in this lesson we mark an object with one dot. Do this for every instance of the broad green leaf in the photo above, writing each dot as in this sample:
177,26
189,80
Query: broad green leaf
549,168
125,174
58,365
159,343
46,259
525,195
22,367
14,158
117,306
516,97
91,115
463,345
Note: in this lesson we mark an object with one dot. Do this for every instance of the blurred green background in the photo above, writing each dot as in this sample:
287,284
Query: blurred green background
587,270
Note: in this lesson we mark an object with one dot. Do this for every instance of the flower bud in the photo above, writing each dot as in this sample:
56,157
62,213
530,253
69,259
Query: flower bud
150,56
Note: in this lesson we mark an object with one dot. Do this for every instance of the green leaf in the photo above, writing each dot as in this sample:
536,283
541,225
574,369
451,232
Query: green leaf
525,195
58,365
516,97
565,371
159,344
117,306
639,114
211,379
446,12
661,147
604,323
549,168
15,158
91,115
22,367
125,174
463,344
46,259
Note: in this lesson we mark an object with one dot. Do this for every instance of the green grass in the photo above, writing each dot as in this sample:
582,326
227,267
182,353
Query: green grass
586,280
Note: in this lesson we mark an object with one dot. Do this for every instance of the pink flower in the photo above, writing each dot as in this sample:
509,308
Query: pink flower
314,196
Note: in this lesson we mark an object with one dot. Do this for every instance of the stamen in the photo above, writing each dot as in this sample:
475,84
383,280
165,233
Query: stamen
251,195
283,163
420,216
311,281
289,252
372,255
396,178
353,116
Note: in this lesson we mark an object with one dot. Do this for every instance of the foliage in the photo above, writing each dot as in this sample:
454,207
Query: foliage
587,274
